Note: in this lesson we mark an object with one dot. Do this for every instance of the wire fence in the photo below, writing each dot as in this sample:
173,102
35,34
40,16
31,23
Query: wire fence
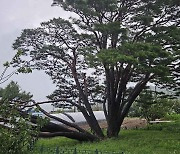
59,150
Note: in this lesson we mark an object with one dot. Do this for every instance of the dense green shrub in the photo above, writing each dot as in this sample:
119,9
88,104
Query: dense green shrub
172,117
173,126
151,106
176,106
16,131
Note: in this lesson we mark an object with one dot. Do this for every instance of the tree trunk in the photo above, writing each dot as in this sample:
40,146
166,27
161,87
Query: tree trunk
72,135
112,130
54,130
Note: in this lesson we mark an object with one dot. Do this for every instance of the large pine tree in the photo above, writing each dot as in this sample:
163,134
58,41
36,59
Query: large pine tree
95,55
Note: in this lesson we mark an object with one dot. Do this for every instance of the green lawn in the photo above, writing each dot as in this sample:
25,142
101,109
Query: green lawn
157,139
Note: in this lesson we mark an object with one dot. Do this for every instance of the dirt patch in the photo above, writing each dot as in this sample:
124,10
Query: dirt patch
129,123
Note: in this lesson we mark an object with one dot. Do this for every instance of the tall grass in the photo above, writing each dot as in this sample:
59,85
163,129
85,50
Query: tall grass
156,139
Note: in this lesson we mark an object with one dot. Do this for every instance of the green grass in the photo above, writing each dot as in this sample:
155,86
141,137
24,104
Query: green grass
156,139
57,141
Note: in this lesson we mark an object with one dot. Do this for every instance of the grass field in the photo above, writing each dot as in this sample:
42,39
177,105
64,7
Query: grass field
155,139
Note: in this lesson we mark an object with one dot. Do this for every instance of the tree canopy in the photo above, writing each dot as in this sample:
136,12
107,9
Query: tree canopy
94,56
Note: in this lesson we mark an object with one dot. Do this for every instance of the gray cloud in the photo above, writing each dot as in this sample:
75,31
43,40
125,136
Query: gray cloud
17,15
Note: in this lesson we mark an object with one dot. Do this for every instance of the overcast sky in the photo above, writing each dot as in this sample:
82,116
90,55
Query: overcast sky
16,15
